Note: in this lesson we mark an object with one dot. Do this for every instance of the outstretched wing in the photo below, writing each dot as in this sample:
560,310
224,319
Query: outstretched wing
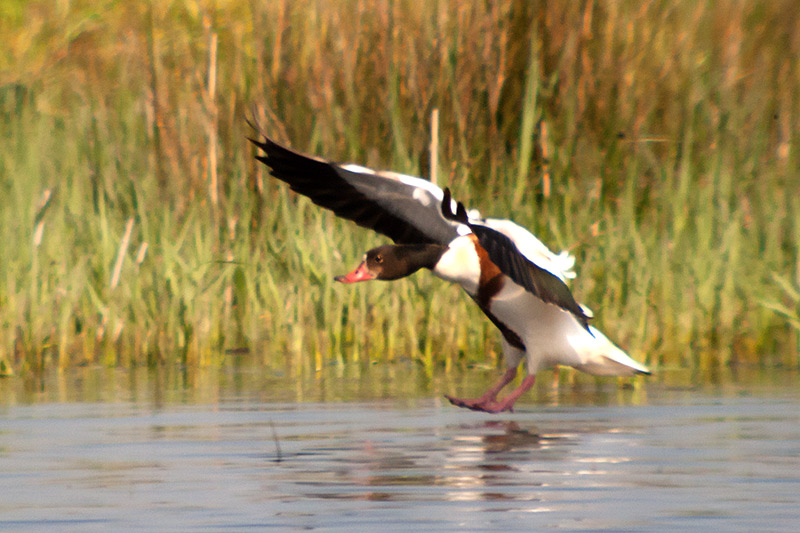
404,208
504,253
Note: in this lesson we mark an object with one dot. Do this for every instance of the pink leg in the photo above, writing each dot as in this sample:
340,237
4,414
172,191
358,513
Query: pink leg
489,402
507,403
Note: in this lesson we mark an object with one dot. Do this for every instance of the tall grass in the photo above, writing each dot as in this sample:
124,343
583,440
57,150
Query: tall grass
657,141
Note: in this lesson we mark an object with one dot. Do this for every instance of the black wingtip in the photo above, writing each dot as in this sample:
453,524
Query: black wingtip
447,210
252,121
459,215
577,311
258,144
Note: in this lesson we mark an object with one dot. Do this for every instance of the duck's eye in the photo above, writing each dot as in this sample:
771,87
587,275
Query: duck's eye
379,259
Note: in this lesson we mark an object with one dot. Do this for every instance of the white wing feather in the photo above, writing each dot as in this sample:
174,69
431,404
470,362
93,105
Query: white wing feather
534,250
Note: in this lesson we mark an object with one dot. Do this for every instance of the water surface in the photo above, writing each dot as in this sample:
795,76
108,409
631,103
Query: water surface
111,450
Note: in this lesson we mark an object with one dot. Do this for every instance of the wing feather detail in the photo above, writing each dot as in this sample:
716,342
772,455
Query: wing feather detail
404,208
502,251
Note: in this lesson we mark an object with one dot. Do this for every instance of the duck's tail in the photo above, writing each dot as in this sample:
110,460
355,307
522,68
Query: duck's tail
606,359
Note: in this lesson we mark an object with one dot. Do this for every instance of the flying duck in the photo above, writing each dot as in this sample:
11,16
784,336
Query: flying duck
513,277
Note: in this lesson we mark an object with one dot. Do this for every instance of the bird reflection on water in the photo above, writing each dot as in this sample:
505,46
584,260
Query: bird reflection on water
684,461
460,462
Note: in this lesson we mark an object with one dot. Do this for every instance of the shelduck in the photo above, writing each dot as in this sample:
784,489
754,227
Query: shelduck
513,277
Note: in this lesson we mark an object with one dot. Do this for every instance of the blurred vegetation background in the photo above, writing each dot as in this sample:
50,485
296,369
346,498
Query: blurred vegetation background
655,140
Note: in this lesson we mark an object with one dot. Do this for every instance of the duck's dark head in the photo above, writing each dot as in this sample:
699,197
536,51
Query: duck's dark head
394,261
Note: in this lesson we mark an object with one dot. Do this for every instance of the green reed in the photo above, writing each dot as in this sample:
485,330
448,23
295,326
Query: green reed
655,141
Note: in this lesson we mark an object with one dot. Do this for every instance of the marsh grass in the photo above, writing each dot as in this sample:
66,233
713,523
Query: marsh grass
656,141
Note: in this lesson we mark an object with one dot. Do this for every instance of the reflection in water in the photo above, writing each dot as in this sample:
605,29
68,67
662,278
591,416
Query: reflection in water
470,461
117,455
486,457
512,437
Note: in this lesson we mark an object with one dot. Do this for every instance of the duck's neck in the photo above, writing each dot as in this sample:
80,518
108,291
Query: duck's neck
416,256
